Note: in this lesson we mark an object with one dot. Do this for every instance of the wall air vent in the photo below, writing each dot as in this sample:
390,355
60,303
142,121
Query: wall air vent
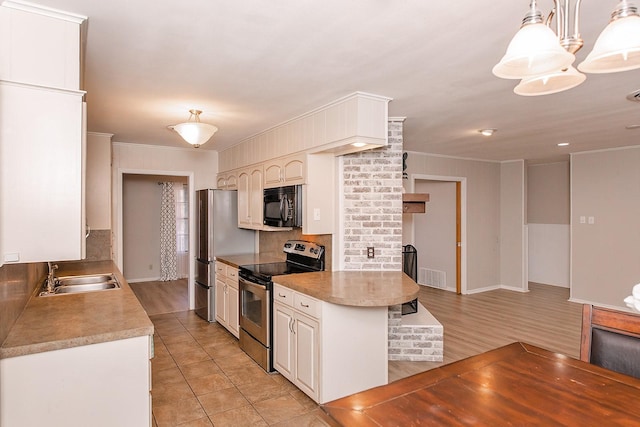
634,96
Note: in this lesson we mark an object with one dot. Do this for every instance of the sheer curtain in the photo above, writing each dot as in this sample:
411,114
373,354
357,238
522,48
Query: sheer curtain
182,229
168,241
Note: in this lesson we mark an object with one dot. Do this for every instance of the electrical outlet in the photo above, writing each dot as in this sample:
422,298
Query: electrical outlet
150,266
371,252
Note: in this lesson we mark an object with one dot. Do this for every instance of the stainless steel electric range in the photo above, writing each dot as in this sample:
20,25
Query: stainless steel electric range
256,296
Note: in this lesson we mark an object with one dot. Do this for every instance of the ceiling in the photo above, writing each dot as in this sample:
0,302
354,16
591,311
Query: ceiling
251,64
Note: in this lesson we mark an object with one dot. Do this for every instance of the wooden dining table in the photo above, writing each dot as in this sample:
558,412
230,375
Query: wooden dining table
515,385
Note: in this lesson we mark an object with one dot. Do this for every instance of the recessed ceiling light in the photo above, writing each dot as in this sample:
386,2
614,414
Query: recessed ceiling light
487,132
563,144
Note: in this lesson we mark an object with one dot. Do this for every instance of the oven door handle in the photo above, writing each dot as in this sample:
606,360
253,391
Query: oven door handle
248,284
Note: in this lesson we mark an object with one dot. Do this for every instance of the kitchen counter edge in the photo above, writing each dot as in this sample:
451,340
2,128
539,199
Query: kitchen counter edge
354,288
67,321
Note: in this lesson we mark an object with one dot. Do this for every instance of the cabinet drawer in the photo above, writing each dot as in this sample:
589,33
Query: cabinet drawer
283,295
232,274
306,304
221,268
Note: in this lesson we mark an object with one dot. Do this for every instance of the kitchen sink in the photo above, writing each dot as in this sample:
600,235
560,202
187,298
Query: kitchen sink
77,284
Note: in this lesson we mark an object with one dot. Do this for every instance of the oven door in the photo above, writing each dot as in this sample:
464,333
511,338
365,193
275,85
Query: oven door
255,310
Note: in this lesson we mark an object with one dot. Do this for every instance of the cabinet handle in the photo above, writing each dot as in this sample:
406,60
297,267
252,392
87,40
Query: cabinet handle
281,296
291,322
304,305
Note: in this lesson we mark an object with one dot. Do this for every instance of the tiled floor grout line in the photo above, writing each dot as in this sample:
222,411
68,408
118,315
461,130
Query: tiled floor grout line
193,391
304,413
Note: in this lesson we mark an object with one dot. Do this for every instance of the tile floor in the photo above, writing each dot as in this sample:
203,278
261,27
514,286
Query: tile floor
201,377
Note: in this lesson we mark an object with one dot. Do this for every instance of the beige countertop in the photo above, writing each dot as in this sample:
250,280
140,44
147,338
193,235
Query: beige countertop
246,259
354,288
71,320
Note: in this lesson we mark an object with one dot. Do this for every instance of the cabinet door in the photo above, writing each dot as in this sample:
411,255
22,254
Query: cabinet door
221,181
244,219
293,170
233,302
283,345
256,198
41,159
221,303
306,355
272,174
232,181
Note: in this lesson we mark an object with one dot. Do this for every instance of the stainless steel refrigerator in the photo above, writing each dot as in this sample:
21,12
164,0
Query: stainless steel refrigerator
218,234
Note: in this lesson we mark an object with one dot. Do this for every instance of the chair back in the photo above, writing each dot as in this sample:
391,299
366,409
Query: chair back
611,339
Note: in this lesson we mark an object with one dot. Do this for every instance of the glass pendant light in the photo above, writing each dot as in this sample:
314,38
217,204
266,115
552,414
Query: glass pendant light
534,50
195,132
546,84
618,46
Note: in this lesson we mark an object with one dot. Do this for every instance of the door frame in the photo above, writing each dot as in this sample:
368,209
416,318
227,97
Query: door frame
461,223
119,221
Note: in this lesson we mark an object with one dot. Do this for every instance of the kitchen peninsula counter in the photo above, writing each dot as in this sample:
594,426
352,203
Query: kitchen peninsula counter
71,320
354,288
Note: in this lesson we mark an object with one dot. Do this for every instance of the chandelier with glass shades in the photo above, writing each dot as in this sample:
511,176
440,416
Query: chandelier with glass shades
543,60
194,131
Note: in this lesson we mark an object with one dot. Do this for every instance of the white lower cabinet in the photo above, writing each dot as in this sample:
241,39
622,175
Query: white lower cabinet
328,350
296,352
227,297
306,340
99,385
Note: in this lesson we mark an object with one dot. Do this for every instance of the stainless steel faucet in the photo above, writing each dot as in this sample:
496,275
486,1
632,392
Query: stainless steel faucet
51,281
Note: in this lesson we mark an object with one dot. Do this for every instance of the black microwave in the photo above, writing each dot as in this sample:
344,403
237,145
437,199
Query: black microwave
283,206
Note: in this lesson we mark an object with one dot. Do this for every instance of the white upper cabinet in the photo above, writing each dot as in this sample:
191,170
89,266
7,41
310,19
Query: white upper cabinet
227,181
40,46
250,198
285,171
41,157
354,123
42,135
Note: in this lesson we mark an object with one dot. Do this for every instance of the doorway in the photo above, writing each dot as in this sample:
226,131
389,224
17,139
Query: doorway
146,268
439,235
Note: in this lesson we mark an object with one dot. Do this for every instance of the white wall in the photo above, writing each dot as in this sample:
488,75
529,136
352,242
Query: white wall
141,197
605,255
98,181
548,223
483,212
513,259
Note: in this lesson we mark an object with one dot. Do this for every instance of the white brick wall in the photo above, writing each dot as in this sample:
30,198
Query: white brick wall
373,205
414,342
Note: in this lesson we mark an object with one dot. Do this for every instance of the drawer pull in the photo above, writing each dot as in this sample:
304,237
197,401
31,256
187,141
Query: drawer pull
304,305
281,296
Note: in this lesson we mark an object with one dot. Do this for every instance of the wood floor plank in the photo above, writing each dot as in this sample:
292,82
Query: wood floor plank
159,297
480,322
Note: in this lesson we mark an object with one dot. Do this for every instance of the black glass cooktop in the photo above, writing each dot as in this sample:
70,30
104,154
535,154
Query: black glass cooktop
266,271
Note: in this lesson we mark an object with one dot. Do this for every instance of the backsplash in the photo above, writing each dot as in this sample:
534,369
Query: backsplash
17,283
99,245
273,241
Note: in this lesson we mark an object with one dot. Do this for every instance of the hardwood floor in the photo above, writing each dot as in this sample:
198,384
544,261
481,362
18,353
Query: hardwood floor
476,323
162,297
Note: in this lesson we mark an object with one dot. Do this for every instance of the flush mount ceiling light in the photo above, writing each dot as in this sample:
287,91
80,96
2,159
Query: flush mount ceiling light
487,132
193,131
542,58
562,144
